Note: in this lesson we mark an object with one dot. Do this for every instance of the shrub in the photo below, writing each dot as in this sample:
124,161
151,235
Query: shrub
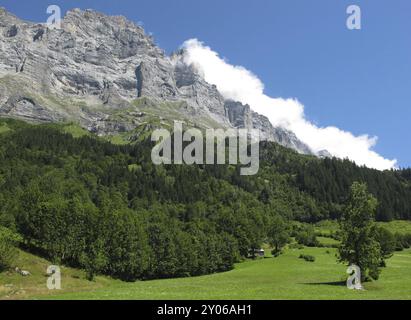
8,251
307,257
386,240
296,246
307,237
407,240
402,241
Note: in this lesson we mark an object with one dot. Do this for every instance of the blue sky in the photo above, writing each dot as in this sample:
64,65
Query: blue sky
359,81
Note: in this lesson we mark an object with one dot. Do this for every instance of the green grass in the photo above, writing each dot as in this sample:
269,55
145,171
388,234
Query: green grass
326,227
118,139
75,130
285,277
15,286
177,110
4,128
397,226
326,241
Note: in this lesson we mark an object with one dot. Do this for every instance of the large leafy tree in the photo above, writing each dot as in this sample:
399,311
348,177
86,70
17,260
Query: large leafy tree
359,244
278,234
8,251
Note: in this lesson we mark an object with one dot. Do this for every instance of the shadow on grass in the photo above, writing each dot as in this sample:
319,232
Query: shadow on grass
331,283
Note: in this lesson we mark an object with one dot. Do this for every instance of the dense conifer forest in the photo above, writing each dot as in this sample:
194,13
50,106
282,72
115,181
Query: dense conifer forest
106,208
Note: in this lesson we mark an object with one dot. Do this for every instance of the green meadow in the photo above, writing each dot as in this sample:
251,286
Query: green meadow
284,277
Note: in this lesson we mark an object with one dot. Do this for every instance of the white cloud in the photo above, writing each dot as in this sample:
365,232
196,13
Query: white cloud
240,84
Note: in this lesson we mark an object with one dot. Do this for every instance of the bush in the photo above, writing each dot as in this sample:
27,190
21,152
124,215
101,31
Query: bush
402,241
407,240
387,241
8,251
275,253
306,236
296,246
307,257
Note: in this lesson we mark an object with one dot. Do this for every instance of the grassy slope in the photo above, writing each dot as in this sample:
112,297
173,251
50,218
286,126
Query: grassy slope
397,226
4,128
15,286
75,130
285,277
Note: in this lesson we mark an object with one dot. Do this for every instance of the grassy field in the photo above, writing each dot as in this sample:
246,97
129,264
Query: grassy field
15,286
397,226
4,128
285,277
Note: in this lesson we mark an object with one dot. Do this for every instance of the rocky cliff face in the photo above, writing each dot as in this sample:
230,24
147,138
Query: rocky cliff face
100,71
241,116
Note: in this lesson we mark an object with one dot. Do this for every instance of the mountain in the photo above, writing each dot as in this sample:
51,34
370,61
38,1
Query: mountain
106,74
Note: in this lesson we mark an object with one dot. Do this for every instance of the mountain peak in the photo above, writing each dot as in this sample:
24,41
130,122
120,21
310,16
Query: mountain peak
91,15
93,69
7,17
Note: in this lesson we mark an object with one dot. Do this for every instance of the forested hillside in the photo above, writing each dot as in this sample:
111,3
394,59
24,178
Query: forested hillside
106,208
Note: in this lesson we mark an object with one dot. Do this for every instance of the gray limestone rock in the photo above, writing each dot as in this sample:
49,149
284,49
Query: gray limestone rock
95,67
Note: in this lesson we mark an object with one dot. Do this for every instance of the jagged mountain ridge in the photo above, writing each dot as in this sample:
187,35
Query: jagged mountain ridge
106,74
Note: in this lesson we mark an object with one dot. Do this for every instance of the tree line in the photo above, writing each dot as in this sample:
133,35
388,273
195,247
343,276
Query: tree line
106,208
